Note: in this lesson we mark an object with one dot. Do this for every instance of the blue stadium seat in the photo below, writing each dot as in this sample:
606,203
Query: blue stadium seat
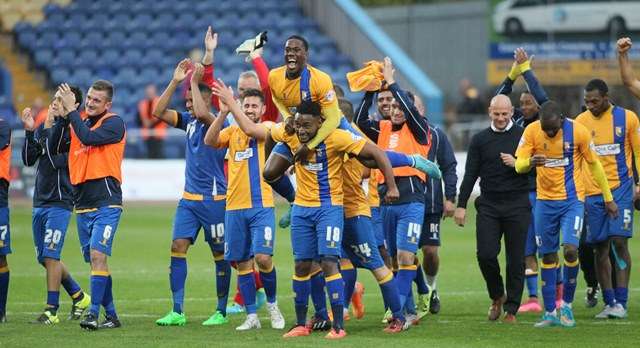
63,59
141,21
114,40
137,40
51,8
27,38
81,76
74,21
60,75
148,75
93,40
132,57
42,58
71,39
87,58
109,58
163,21
46,40
104,72
117,21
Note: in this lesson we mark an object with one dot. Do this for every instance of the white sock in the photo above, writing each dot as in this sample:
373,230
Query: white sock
431,282
568,304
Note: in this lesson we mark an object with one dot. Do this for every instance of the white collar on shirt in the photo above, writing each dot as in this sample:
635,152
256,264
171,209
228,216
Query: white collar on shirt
493,128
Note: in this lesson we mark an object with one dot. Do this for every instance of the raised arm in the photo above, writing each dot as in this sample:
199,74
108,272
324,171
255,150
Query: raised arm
417,124
626,71
370,128
213,133
262,70
31,149
111,131
160,111
210,45
200,109
248,127
533,85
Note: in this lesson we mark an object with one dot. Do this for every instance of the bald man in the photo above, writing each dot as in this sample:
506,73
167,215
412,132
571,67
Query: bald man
502,208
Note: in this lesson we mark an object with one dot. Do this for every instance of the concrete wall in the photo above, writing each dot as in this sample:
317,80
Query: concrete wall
448,41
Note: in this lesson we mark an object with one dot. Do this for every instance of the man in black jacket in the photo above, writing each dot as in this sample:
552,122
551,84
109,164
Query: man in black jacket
48,146
503,207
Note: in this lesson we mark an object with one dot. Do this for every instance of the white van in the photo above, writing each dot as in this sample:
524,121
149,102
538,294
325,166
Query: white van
516,17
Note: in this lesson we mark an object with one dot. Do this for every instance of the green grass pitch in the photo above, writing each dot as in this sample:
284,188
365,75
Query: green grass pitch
140,270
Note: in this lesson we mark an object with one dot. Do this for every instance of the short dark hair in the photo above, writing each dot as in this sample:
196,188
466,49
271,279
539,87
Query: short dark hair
339,91
252,92
597,84
77,93
105,86
304,41
308,107
550,110
347,108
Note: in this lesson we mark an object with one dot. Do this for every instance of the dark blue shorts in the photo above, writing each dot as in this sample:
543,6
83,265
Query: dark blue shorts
249,232
49,227
430,230
192,216
316,232
402,226
96,230
555,217
5,232
359,243
600,227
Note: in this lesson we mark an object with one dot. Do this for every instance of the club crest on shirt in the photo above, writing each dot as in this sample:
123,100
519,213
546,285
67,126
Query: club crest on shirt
545,146
330,96
618,131
593,133
303,95
567,146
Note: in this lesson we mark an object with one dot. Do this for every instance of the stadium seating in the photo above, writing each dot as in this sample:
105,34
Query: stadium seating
6,101
134,43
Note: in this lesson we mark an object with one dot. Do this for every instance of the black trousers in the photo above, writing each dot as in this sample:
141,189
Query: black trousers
587,259
155,148
508,217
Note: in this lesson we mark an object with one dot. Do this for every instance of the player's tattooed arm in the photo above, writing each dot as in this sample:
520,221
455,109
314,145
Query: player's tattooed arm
160,111
626,71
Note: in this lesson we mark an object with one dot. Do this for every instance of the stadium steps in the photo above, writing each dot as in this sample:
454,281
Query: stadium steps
27,84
